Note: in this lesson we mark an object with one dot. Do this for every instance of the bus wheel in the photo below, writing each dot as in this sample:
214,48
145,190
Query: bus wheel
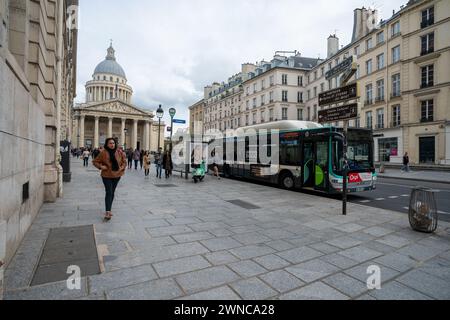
287,181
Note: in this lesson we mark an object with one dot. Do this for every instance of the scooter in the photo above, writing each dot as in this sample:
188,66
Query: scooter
199,173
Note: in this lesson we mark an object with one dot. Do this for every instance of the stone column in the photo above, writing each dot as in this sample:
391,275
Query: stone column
122,133
96,133
147,135
135,134
110,127
81,132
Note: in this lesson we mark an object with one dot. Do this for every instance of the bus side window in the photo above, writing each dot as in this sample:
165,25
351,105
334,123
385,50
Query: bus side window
338,156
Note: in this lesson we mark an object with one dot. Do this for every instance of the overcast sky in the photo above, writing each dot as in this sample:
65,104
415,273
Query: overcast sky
171,49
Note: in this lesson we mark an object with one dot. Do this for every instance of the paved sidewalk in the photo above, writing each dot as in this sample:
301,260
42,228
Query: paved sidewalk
426,176
188,242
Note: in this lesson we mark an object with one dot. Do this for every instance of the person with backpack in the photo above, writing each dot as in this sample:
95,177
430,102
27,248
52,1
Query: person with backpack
158,163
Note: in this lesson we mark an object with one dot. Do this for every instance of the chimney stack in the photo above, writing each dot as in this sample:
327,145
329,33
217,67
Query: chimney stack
364,21
333,45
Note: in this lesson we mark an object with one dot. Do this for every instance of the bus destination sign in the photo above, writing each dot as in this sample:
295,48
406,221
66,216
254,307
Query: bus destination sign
339,94
345,112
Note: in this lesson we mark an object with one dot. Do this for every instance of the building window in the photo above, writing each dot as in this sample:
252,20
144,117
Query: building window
300,114
284,113
300,97
284,96
369,66
427,111
315,112
271,96
427,79
284,79
315,75
358,123
263,119
396,85
254,118
322,71
380,61
246,119
369,44
427,44
357,51
380,118
396,29
263,100
380,37
369,120
270,114
254,87
358,73
315,91
263,84
369,96
300,81
308,95
309,113
380,90
322,87
248,90
427,17
396,116
254,102
271,80
387,148
248,104
396,54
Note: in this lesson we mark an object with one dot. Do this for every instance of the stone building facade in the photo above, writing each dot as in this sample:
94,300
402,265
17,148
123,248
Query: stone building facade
109,112
37,87
403,76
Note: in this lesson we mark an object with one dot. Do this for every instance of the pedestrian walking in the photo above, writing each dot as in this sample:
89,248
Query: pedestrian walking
147,163
167,164
130,158
141,158
86,155
112,163
405,163
158,163
136,157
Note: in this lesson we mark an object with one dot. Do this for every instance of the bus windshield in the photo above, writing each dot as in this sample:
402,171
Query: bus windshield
359,152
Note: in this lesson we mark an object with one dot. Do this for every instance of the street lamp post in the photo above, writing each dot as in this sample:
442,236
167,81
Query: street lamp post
172,113
159,114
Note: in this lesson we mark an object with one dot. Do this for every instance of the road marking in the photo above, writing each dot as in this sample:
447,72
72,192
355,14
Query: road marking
442,212
364,201
406,208
393,197
380,199
405,195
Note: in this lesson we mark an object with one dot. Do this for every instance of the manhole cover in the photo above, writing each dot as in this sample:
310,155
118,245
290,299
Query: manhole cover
243,204
73,246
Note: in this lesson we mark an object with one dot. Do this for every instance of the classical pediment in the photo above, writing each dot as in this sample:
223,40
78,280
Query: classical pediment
116,107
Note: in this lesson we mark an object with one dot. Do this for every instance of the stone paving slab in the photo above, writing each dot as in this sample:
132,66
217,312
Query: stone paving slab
295,246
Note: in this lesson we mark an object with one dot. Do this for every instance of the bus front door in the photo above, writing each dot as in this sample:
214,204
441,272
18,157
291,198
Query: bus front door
321,166
308,165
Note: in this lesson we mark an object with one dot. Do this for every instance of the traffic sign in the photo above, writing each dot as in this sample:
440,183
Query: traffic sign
172,112
345,65
179,121
339,95
345,112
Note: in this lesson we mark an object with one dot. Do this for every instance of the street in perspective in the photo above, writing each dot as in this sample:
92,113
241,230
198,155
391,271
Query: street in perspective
150,160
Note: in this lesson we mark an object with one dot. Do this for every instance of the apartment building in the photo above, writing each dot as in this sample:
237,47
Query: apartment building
403,75
263,92
196,117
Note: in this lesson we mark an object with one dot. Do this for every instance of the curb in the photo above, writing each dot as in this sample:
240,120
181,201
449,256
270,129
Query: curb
414,179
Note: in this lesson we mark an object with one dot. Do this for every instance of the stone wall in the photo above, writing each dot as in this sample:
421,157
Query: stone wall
29,114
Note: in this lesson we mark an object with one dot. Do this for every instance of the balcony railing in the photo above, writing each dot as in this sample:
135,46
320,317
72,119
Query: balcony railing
426,23
379,99
395,124
379,126
395,95
428,84
429,119
426,51
368,102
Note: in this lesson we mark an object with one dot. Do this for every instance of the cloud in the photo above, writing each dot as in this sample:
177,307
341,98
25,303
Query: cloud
171,49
